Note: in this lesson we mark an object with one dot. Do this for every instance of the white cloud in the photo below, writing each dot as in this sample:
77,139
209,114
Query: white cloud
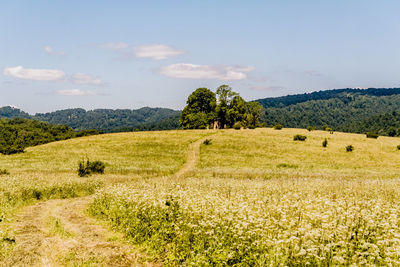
115,46
49,50
74,92
156,51
82,78
192,71
34,74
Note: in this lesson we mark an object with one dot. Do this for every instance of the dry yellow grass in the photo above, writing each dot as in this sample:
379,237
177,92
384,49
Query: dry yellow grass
268,153
255,197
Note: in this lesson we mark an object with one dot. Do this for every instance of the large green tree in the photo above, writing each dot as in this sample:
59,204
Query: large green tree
199,112
226,107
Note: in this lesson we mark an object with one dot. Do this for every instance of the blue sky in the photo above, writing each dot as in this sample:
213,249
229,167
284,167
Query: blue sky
130,54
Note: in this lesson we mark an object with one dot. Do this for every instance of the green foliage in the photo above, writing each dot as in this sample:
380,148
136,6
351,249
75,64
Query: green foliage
202,110
278,126
199,112
348,110
17,134
86,168
299,137
325,143
4,172
311,128
118,120
372,135
237,126
207,142
349,148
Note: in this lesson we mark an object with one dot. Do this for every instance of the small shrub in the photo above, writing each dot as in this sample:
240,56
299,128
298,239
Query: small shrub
278,126
372,135
4,172
331,132
392,132
237,126
207,142
349,148
286,165
325,143
398,147
299,137
311,128
86,168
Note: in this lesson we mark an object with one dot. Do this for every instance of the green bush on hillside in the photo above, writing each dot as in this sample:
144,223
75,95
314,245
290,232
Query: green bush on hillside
299,137
4,172
207,142
325,143
349,148
372,135
86,168
278,126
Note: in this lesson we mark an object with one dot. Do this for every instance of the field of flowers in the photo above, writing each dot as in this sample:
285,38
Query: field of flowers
257,222
258,198
50,171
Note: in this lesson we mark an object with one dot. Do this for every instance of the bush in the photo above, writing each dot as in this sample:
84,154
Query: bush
392,132
278,126
372,135
398,147
299,137
4,172
349,148
237,126
89,167
325,143
207,142
311,128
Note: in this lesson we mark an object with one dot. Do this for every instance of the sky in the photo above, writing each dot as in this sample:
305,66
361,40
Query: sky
130,54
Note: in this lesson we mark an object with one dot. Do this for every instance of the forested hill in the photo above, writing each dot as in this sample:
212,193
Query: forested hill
107,120
283,101
350,110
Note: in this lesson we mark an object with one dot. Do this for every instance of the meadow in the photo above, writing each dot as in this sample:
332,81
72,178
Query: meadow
254,198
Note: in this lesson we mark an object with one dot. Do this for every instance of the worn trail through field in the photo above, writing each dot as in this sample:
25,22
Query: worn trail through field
60,233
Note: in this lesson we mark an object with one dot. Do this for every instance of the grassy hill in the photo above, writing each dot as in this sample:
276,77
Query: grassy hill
254,196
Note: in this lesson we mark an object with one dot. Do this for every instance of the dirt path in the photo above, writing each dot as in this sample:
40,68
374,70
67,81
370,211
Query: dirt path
192,158
59,233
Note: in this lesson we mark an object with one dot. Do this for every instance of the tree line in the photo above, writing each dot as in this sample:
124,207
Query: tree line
222,109
18,133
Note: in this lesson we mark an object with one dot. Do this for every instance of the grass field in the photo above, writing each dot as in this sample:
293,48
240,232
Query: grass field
256,197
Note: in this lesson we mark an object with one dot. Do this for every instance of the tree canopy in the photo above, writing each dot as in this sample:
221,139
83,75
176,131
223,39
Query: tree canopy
223,109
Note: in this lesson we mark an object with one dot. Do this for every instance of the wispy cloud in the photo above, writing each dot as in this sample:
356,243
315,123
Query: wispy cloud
156,51
49,50
20,72
82,78
115,46
74,92
192,71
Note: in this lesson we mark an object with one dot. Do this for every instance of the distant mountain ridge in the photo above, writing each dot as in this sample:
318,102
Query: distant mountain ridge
348,110
107,120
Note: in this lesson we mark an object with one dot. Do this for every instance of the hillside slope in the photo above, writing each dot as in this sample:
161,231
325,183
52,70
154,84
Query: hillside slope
349,110
107,120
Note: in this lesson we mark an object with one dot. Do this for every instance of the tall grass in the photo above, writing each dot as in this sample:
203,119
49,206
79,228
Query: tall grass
286,222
